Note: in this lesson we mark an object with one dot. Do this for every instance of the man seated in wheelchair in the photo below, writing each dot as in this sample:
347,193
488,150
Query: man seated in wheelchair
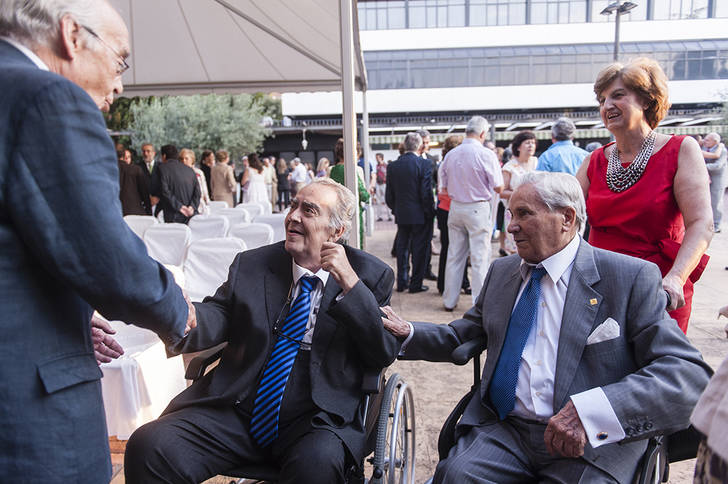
302,323
583,364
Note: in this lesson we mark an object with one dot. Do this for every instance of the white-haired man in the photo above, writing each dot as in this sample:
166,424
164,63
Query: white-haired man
582,365
715,155
64,247
471,176
563,156
300,316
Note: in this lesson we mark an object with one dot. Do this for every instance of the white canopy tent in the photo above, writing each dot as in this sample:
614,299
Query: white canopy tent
230,46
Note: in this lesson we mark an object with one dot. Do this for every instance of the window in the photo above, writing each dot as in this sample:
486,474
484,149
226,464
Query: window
497,12
524,65
558,11
680,9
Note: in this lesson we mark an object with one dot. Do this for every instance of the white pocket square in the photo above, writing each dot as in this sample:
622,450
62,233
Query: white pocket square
609,329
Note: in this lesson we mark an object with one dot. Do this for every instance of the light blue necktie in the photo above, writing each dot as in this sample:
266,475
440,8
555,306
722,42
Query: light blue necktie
505,377
267,406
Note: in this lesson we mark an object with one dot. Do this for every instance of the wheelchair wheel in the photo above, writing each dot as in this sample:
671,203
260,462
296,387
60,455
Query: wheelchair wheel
394,453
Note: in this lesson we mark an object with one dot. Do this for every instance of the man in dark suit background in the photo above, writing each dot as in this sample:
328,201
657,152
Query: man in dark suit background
178,187
133,189
314,426
409,196
582,365
64,248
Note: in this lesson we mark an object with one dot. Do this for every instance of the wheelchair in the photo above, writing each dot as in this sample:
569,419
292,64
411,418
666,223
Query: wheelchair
653,468
389,419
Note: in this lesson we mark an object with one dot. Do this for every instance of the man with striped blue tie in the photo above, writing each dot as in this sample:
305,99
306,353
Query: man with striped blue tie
302,323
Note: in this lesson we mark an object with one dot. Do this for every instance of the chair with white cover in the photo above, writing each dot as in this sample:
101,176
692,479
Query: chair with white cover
209,226
254,235
252,208
139,223
234,215
167,243
207,265
266,206
216,205
277,221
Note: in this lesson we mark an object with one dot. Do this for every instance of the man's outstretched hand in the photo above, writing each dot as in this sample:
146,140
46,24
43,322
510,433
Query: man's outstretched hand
105,347
565,435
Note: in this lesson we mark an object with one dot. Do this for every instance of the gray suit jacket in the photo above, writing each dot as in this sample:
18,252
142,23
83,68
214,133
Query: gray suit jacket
651,374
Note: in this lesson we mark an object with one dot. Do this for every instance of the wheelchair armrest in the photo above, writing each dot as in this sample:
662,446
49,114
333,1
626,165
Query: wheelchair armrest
198,364
372,382
468,350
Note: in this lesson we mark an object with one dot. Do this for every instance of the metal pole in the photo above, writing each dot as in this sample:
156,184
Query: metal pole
346,32
366,152
616,31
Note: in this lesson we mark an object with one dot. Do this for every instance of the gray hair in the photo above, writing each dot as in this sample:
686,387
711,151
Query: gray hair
558,190
412,142
343,210
715,136
477,125
423,133
563,129
37,22
594,145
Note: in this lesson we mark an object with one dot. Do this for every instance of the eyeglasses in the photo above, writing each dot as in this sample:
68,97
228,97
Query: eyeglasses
121,65
277,331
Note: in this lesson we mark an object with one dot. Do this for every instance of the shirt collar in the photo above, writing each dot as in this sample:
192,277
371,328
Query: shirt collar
299,272
28,53
563,142
555,265
471,140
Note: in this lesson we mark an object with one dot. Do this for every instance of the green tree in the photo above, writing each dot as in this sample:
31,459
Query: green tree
231,122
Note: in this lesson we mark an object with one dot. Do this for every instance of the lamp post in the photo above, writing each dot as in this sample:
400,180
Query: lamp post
618,8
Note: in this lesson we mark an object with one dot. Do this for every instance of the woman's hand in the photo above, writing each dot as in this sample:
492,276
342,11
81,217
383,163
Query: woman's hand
673,286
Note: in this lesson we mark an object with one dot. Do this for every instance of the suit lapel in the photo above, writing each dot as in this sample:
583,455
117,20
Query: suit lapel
580,311
277,285
325,324
499,316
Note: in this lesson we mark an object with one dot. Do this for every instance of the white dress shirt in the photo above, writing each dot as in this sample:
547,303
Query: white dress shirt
470,172
535,387
316,294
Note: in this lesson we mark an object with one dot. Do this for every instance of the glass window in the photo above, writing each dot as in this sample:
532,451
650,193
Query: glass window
680,9
396,15
721,9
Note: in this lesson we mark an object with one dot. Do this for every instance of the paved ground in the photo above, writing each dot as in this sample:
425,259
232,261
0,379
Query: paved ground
438,386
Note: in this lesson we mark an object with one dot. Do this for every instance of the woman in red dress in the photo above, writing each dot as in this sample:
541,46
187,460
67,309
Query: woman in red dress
647,193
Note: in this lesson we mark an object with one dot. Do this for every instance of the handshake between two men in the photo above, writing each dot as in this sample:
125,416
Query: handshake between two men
582,365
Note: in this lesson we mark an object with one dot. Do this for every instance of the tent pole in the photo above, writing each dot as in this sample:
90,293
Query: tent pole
348,114
367,157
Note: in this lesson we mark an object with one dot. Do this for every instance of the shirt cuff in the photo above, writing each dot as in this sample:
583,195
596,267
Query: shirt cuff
598,418
407,339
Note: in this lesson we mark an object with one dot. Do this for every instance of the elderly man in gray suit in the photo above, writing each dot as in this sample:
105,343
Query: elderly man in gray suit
583,363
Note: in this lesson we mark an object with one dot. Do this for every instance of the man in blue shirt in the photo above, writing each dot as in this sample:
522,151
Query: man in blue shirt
563,155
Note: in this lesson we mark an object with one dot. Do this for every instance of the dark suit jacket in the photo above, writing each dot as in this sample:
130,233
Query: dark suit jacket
133,190
179,187
409,189
64,249
650,373
348,336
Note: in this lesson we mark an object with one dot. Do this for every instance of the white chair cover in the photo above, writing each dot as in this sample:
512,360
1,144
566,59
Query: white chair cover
209,226
139,223
253,208
266,206
234,215
214,205
207,264
254,235
275,220
139,385
167,243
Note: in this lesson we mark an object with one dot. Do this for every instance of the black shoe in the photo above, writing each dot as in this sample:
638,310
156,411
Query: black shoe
400,289
467,291
502,252
449,310
431,277
415,290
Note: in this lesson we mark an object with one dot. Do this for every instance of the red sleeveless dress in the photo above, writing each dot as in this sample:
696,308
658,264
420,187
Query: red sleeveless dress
644,220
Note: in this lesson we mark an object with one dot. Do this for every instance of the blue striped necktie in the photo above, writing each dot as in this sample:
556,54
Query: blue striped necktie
505,377
267,406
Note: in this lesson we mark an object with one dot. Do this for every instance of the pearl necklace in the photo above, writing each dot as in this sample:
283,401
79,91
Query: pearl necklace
620,178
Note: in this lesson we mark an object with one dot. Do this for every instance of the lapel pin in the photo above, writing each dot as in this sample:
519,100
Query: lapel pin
593,301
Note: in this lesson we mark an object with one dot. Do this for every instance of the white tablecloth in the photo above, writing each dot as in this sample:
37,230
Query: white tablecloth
138,386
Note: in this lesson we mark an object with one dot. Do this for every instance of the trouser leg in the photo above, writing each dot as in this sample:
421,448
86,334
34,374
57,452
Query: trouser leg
457,254
401,248
444,243
717,190
419,245
479,229
317,457
189,446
